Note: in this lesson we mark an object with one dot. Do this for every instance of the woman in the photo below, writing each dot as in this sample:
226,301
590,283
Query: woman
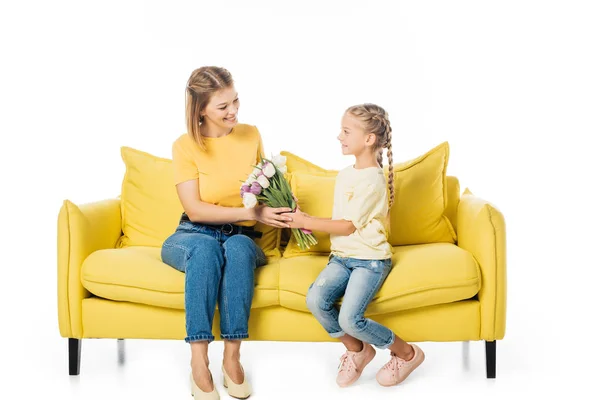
213,243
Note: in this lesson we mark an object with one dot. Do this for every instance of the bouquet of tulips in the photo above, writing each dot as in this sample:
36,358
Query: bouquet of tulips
267,185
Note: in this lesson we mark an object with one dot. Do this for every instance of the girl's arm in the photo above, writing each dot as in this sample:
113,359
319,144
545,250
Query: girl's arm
302,220
336,227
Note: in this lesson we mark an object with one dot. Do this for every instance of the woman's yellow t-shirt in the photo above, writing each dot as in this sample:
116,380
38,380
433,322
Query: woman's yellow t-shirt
221,169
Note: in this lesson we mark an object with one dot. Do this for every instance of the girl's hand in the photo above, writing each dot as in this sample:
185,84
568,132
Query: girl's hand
299,219
272,216
296,201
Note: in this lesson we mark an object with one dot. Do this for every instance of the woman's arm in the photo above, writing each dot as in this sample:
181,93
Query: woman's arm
304,221
202,212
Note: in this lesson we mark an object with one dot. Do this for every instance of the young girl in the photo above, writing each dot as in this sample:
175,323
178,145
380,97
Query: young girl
360,258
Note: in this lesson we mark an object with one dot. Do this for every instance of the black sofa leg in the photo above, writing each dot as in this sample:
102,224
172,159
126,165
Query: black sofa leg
74,356
121,351
490,359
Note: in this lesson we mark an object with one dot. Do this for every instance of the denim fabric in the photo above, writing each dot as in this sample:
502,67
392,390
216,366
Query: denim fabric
218,268
357,281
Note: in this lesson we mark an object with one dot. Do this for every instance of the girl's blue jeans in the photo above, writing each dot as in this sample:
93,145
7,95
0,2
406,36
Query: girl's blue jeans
357,281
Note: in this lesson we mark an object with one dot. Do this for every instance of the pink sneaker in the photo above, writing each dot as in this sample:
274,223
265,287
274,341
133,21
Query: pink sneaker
352,364
397,370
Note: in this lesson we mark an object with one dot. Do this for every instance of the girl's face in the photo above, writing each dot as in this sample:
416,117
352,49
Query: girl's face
353,138
222,108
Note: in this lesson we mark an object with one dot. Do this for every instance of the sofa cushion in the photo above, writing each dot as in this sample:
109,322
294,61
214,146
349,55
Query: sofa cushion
315,197
136,274
299,164
150,206
419,213
421,197
421,275
296,163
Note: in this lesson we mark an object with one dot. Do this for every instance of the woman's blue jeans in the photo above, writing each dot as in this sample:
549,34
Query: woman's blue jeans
219,268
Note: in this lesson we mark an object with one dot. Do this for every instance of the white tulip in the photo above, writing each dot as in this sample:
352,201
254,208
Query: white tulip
279,161
249,200
251,179
263,181
269,170
283,169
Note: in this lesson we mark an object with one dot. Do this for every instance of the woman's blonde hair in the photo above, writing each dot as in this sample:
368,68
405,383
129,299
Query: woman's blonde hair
375,120
201,85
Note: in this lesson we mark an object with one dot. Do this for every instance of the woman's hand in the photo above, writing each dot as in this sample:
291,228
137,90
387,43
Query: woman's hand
298,219
272,216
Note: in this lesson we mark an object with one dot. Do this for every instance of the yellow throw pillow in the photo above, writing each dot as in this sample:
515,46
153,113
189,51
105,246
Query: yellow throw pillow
295,163
315,197
418,214
151,209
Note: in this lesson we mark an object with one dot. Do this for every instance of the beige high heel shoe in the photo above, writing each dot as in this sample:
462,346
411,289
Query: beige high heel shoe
239,391
199,394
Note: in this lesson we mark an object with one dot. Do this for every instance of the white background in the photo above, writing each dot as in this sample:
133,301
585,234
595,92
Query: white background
513,86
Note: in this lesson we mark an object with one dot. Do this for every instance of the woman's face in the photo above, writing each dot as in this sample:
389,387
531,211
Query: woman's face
222,108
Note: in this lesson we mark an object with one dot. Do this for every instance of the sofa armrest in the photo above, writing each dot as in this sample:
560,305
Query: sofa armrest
81,231
481,231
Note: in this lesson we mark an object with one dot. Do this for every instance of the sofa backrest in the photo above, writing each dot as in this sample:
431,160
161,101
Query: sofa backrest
151,209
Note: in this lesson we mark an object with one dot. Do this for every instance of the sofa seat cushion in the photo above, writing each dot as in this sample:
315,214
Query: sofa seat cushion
136,274
421,275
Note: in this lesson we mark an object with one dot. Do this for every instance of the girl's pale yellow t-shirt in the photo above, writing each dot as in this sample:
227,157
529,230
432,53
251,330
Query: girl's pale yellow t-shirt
221,169
360,196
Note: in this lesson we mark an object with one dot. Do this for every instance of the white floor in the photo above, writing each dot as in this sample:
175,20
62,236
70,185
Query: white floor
159,369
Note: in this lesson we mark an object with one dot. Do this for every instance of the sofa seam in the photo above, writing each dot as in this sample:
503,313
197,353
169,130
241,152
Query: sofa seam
405,293
279,280
428,288
129,286
153,290
168,307
488,208
69,267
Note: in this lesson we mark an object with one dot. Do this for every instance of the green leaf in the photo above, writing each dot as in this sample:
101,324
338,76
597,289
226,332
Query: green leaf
275,184
298,238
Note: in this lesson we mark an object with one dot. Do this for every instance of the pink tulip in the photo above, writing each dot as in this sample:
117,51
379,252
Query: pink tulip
244,189
255,188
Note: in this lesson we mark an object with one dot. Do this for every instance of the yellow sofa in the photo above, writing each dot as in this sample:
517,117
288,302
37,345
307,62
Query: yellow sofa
448,286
